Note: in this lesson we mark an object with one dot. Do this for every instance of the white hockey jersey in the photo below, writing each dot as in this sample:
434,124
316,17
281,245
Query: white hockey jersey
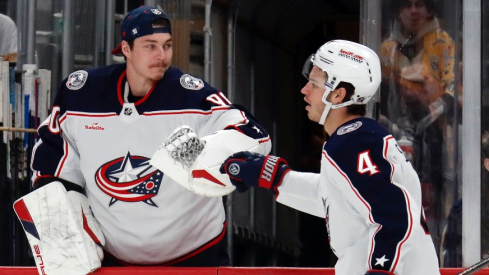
95,139
370,197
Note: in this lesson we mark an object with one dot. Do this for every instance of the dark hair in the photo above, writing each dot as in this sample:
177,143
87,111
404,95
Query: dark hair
161,22
130,43
485,145
397,5
354,109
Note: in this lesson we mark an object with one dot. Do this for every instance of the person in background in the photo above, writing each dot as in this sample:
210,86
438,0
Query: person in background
417,100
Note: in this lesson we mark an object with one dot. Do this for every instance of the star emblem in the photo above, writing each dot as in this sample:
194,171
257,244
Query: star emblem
256,129
381,261
129,179
128,171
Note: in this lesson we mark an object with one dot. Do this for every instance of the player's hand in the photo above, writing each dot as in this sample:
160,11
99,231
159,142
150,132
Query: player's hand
246,169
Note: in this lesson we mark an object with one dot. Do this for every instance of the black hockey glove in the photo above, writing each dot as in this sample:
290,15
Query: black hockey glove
246,169
378,272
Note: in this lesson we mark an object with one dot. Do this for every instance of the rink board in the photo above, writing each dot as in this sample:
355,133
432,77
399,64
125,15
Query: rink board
209,271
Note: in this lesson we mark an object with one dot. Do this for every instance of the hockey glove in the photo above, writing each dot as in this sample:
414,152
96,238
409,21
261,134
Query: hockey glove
246,169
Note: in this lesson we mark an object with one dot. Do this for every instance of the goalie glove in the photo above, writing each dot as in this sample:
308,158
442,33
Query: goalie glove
194,162
246,169
63,234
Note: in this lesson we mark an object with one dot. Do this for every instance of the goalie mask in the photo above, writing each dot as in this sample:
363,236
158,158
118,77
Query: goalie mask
349,62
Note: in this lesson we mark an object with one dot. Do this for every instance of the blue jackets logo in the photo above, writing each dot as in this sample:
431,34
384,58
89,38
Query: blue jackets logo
129,179
349,128
76,80
191,82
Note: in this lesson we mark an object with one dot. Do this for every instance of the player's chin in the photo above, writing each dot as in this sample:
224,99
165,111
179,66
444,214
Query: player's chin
155,76
312,117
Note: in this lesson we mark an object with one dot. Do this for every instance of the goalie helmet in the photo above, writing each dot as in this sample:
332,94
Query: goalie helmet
350,62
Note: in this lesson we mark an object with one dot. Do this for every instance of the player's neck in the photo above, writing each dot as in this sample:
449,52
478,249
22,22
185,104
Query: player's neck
336,118
139,85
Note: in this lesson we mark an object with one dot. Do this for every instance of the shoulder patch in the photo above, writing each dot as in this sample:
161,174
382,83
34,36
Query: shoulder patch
191,83
76,80
349,128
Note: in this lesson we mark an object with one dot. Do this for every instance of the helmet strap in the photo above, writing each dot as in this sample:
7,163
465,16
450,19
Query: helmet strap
322,120
344,104
328,106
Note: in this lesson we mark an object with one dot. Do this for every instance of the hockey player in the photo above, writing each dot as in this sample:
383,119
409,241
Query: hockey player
367,190
105,125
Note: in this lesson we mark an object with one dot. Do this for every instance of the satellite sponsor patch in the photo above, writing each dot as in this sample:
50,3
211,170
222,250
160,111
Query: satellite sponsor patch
349,128
76,80
191,82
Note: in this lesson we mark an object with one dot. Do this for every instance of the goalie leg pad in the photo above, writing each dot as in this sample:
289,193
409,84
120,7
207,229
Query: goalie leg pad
63,234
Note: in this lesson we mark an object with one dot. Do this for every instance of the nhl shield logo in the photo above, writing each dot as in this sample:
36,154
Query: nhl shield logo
76,80
191,83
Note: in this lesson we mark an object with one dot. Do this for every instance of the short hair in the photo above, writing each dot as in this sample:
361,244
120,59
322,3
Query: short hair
485,145
354,109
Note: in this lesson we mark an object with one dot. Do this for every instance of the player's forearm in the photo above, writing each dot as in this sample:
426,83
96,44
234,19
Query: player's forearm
300,191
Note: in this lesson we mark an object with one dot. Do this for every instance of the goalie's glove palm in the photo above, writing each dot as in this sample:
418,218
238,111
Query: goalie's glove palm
247,169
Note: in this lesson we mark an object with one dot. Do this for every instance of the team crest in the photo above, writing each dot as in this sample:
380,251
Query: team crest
191,83
155,11
76,80
234,169
349,128
129,179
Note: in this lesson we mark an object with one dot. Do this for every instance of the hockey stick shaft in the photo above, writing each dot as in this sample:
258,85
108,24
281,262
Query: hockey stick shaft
476,267
14,129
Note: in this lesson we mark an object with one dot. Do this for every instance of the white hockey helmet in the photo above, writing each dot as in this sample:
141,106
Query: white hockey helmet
350,62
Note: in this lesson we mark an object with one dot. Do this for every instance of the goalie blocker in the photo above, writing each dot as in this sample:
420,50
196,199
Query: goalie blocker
63,234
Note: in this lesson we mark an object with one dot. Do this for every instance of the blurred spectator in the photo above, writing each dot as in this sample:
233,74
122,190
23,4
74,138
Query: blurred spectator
417,98
8,39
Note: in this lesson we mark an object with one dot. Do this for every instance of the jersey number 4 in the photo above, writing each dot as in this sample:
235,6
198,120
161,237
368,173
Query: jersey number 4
365,164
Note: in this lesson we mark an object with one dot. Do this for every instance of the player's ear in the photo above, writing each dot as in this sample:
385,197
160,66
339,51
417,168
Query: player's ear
486,164
126,49
338,95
